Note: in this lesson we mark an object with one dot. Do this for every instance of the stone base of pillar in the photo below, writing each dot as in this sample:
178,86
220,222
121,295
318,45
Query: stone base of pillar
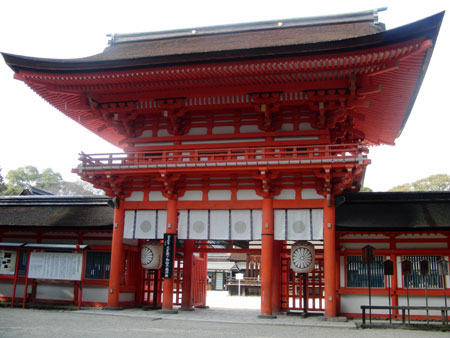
151,307
187,309
168,312
267,316
202,307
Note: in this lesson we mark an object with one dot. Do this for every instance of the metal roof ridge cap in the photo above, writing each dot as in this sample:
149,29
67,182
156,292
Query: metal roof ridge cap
118,38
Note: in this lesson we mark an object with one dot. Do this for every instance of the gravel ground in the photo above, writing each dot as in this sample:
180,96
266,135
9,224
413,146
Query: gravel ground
18,323
205,323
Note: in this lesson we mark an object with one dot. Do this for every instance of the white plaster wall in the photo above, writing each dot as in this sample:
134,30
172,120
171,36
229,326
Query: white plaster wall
223,130
54,291
286,194
198,131
305,126
249,129
127,297
247,195
192,195
95,294
311,194
156,196
219,195
136,196
352,303
421,301
6,289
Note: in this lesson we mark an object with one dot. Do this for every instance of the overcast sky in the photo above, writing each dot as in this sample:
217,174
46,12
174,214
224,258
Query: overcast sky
34,133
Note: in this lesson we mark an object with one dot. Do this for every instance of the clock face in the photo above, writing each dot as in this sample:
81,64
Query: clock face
302,258
146,255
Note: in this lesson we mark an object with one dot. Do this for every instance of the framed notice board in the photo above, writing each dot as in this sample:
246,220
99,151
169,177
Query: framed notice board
55,265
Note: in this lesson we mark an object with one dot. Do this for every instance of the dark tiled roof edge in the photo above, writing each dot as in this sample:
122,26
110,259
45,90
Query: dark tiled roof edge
50,200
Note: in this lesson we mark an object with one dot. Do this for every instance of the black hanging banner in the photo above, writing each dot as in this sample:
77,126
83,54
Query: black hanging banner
168,249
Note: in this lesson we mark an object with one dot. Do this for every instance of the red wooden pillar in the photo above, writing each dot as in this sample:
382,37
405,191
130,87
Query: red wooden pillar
116,256
266,258
329,253
171,228
276,277
186,300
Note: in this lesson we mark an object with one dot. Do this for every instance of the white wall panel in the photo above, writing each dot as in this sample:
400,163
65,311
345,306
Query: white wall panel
183,225
286,194
220,224
192,195
95,294
128,230
342,271
198,224
240,225
317,223
145,227
247,195
280,224
127,297
136,196
299,224
256,224
54,291
219,195
156,196
310,194
162,223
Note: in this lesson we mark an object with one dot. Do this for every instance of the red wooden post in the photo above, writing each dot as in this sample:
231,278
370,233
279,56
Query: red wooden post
276,281
329,252
266,258
116,256
25,293
171,228
186,302
16,271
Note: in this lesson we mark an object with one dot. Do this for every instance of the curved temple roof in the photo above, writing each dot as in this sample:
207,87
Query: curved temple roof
287,56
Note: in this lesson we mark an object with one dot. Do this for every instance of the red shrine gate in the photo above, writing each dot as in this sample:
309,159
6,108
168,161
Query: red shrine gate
240,133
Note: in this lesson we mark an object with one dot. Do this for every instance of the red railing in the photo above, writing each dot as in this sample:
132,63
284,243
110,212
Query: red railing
226,157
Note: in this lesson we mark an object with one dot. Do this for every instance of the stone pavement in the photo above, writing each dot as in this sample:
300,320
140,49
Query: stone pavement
228,309
225,315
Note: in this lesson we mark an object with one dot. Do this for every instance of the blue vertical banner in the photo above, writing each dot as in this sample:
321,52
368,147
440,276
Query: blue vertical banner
168,249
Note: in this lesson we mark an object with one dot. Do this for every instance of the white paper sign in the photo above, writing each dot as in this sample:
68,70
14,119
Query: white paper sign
55,265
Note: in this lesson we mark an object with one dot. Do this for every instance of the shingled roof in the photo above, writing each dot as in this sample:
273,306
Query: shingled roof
56,211
393,211
216,43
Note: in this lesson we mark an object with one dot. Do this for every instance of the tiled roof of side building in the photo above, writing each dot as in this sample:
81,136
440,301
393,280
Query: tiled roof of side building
393,211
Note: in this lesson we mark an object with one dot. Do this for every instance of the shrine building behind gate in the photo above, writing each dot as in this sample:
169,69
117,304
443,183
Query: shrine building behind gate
236,133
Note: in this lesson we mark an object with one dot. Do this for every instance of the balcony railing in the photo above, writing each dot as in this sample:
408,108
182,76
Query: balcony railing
347,153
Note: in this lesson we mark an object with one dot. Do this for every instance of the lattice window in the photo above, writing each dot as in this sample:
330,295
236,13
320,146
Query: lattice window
416,280
98,264
357,273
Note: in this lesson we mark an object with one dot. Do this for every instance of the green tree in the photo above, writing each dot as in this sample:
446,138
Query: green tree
439,182
3,186
48,180
366,189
